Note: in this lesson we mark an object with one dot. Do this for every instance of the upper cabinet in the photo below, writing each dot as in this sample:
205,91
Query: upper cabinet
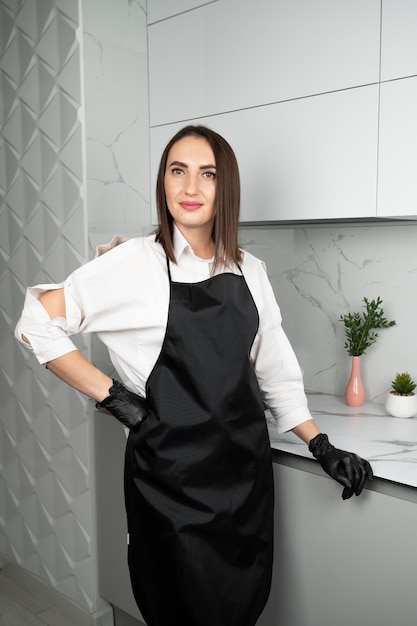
314,96
230,55
311,158
162,9
398,39
397,163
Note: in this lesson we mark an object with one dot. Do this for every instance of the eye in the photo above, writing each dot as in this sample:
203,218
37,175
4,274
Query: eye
209,174
177,171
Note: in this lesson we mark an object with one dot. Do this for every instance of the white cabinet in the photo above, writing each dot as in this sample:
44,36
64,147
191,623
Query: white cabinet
397,163
162,9
398,39
313,158
236,54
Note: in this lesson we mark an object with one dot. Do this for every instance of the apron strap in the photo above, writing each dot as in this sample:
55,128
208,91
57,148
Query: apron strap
169,271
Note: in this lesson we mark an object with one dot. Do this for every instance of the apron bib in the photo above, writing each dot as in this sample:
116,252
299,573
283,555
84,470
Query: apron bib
198,472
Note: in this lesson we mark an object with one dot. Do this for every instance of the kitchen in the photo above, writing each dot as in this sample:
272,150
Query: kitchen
355,239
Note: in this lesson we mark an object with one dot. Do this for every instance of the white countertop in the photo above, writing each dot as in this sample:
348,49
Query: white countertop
388,443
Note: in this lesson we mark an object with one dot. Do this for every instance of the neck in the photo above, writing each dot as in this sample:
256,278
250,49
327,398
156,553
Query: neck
201,242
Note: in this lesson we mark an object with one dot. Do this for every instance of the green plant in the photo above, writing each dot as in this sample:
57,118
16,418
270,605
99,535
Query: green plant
403,385
360,327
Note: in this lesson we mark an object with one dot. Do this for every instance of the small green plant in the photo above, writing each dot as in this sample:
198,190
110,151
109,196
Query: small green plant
360,327
403,385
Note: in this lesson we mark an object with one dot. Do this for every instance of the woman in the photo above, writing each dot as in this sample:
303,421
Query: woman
194,332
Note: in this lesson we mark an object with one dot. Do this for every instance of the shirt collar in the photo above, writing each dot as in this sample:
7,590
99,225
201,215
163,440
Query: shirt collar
180,243
181,246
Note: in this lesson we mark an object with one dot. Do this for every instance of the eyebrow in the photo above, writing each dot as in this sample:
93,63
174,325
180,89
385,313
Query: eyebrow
202,167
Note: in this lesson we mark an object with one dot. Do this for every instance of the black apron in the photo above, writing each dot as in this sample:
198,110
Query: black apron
198,472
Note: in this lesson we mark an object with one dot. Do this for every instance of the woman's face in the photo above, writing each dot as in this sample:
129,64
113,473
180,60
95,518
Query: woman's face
190,184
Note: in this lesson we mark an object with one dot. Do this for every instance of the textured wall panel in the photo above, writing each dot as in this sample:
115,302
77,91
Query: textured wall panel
45,498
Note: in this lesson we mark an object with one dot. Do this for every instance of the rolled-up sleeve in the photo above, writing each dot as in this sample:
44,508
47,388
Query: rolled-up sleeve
89,307
48,338
276,365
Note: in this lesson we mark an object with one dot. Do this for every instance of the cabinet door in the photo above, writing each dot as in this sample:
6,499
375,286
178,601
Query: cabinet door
308,159
162,9
398,39
236,54
397,163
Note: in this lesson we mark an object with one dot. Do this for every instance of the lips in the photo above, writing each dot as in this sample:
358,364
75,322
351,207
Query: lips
190,206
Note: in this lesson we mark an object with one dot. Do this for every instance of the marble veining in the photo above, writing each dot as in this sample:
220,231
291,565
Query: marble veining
389,443
320,273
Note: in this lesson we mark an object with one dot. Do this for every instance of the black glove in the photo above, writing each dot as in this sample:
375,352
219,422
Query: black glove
127,407
349,469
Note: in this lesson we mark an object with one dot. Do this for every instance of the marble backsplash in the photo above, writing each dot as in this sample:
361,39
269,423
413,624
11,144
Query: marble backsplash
321,272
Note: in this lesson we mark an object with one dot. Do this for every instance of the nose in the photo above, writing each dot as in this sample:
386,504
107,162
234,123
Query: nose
192,184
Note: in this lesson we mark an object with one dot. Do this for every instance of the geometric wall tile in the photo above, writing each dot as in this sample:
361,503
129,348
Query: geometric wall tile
20,539
6,27
13,364
59,37
18,480
72,538
41,229
70,472
17,58
20,129
61,260
7,451
82,572
8,95
32,457
71,229
54,558
12,296
22,195
82,509
13,427
71,587
10,166
52,496
8,506
24,263
32,563
70,154
10,231
78,440
44,454
67,8
34,17
58,120
36,518
37,87
67,80
48,431
61,192
68,405
40,159
29,393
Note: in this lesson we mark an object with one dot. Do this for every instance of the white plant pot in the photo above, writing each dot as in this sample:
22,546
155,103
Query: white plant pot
401,406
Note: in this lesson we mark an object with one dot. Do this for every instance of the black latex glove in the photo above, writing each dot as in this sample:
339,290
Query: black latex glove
349,469
127,407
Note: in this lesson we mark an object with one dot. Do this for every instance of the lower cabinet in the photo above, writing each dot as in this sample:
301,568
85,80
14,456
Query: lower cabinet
350,562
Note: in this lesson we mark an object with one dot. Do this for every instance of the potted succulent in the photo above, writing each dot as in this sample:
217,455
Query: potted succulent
360,331
401,399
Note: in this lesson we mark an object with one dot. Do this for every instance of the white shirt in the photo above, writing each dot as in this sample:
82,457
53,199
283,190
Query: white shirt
123,297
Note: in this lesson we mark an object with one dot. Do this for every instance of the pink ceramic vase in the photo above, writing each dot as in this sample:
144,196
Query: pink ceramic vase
355,392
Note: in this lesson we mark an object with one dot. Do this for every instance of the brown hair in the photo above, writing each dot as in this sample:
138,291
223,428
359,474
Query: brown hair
226,224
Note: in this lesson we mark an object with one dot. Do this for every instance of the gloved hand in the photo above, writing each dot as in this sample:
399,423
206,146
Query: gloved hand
127,407
349,469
